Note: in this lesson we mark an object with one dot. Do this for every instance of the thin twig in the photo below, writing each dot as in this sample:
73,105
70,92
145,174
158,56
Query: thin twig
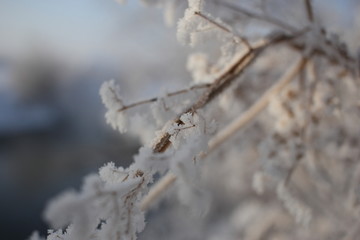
309,10
264,18
222,27
167,181
256,108
342,58
171,94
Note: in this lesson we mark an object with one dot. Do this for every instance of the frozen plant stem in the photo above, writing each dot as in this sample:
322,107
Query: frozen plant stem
156,191
309,10
224,80
218,86
257,107
166,182
220,26
171,94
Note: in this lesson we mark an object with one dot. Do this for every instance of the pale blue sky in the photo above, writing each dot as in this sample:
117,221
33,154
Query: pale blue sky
82,28
74,26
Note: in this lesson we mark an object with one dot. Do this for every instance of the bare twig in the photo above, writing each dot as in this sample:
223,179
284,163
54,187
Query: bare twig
264,18
309,10
225,29
171,94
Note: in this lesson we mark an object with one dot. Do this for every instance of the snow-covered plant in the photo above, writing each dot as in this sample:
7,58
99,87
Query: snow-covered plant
263,144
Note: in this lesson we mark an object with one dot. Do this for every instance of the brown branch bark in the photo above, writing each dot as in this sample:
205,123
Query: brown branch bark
309,10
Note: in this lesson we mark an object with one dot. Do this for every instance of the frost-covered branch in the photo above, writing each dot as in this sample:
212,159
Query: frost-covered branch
166,182
170,94
257,107
224,80
220,26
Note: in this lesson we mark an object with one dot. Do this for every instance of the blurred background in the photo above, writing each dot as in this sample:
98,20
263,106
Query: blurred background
54,55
